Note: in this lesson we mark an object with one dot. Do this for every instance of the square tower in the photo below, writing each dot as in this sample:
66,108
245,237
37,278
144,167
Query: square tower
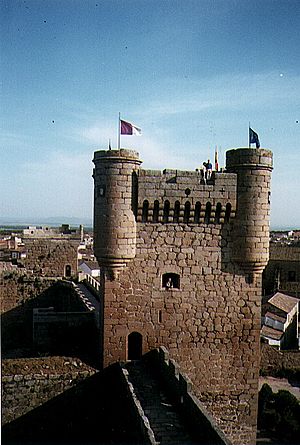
185,283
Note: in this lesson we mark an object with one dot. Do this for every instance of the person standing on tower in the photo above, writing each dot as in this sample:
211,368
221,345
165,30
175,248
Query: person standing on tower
208,172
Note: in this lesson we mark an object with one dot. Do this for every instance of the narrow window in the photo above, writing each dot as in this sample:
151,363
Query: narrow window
218,213
207,213
176,211
145,211
159,316
187,211
197,213
135,346
68,271
134,193
166,212
155,211
227,212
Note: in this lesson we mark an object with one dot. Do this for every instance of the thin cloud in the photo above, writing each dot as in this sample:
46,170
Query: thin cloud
61,184
236,92
98,132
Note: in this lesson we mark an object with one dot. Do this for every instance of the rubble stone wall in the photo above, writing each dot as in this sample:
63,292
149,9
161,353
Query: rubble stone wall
283,270
23,392
210,325
51,257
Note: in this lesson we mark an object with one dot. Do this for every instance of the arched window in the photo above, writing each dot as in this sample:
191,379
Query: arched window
176,211
207,213
218,213
166,212
68,271
187,211
135,346
145,211
171,281
197,213
155,211
227,212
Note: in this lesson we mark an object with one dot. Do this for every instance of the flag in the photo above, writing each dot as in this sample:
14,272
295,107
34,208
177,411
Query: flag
216,160
253,138
129,129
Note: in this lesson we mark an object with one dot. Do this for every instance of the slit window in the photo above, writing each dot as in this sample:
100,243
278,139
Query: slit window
207,213
145,211
166,212
227,212
218,213
197,213
155,211
176,211
159,316
187,212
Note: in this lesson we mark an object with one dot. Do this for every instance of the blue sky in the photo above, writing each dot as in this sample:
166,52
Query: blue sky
190,73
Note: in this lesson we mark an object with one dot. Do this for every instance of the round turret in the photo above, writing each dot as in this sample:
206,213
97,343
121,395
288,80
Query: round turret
251,227
114,220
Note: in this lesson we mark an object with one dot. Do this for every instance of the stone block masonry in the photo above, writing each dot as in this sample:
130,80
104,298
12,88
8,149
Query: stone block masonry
23,392
193,284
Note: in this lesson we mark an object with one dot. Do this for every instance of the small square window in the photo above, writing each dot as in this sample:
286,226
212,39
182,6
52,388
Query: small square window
291,275
171,281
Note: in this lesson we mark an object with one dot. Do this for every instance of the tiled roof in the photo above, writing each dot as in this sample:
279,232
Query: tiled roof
266,331
275,317
93,265
284,302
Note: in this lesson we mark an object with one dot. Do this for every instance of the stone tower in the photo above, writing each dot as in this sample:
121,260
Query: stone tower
251,232
114,220
181,264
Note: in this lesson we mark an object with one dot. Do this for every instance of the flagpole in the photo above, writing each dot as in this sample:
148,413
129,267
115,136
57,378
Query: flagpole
249,135
119,130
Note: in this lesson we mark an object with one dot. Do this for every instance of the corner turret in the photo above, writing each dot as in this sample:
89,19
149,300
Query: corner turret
114,220
251,226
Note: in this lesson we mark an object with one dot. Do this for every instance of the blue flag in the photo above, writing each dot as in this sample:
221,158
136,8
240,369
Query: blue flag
253,138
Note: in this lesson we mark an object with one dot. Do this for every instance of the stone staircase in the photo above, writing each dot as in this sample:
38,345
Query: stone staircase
165,421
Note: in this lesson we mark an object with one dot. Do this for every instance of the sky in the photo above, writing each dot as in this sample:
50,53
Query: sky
191,74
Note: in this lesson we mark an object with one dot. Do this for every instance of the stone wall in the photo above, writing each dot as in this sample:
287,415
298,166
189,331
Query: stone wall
283,270
22,393
68,407
21,293
49,257
210,325
180,389
17,286
186,189
279,363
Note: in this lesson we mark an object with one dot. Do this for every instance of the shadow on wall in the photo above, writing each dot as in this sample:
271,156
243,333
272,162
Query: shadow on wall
227,263
96,411
79,339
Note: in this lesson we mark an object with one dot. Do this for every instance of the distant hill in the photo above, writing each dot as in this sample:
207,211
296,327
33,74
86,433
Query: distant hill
52,221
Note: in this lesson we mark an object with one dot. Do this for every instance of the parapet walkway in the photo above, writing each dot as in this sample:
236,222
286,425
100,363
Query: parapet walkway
165,420
87,297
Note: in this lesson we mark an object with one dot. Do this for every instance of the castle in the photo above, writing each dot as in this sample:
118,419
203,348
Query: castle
181,263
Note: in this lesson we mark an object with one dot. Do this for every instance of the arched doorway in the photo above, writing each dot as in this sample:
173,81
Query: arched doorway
135,346
68,271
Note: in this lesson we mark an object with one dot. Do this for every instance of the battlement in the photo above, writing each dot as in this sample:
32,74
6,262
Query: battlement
175,196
